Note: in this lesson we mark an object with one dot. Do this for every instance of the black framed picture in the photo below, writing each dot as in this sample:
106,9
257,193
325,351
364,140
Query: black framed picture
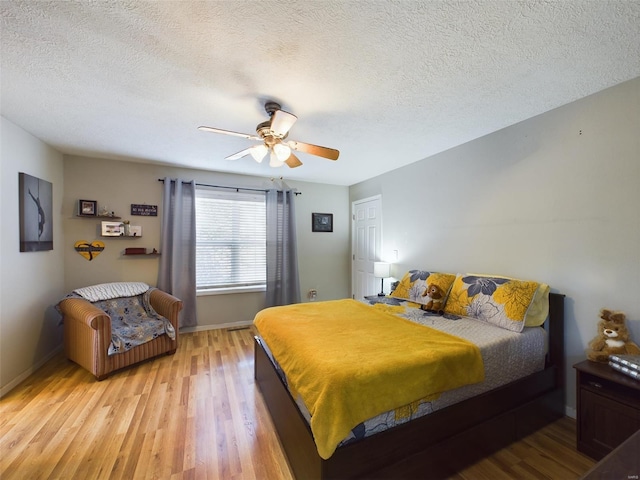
36,213
87,208
322,222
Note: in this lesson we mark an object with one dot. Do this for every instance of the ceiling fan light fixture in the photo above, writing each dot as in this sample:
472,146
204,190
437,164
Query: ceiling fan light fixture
282,151
274,161
259,152
271,135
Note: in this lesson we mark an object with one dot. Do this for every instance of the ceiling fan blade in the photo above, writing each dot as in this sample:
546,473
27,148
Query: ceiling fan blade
329,153
229,132
281,122
240,154
293,161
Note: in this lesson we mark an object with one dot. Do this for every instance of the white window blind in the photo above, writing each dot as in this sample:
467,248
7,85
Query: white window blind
230,239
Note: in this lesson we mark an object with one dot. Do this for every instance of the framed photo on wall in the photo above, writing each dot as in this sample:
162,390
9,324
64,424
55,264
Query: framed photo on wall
36,213
322,222
112,229
87,208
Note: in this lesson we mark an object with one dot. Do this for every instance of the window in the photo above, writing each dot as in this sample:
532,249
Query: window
230,240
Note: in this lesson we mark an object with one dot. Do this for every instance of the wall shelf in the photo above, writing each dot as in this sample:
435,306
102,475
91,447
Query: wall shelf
140,251
120,236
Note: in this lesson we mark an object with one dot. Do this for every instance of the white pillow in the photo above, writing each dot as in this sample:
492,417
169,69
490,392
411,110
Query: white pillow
106,291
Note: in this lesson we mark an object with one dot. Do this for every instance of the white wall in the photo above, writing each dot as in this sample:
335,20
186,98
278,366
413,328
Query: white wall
553,199
323,257
30,282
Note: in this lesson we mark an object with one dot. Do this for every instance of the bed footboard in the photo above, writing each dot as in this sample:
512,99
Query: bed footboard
293,430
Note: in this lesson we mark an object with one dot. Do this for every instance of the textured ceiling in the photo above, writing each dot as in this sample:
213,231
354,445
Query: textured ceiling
385,82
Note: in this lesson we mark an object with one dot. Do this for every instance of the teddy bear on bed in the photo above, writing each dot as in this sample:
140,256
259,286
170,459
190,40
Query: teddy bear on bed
612,338
435,299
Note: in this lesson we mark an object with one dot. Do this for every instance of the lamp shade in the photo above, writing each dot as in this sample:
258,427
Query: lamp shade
282,151
259,152
381,270
274,161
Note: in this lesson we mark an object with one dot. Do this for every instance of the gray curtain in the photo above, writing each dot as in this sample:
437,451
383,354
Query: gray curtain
283,286
177,273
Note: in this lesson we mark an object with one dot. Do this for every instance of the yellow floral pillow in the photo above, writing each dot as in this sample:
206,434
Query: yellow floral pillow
413,285
501,301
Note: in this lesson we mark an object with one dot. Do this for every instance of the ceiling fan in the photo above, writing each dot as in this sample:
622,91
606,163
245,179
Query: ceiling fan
272,135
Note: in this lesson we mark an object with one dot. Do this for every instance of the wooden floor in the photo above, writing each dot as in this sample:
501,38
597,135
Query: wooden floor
193,415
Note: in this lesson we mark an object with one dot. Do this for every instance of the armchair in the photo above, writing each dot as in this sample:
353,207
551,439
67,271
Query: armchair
87,335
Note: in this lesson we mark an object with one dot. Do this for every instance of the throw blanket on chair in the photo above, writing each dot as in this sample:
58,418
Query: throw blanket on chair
350,362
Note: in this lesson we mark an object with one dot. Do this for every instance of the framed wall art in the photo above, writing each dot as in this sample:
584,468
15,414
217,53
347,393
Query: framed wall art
322,222
87,208
36,213
112,229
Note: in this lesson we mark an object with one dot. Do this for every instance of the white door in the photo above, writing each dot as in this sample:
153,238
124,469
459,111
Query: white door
367,245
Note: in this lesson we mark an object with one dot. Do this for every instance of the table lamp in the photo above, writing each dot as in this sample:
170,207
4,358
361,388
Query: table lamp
381,270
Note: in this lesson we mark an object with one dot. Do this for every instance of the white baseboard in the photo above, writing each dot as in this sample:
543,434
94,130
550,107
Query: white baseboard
570,412
202,328
24,375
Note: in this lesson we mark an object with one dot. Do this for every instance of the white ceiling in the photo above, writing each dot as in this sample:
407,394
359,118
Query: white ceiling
385,82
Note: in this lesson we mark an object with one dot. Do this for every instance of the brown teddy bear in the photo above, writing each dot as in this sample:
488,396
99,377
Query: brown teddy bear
436,298
612,338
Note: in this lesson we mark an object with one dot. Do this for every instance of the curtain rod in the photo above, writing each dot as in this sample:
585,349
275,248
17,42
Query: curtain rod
232,188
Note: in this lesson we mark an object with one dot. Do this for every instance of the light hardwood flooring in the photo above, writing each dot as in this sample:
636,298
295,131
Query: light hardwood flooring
193,415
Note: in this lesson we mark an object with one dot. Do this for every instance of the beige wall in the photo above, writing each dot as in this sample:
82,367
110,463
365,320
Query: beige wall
323,257
30,282
553,199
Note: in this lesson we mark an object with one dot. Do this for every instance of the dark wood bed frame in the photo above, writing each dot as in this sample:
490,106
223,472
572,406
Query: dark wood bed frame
433,446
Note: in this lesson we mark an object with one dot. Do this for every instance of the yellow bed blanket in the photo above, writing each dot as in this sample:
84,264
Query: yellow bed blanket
350,362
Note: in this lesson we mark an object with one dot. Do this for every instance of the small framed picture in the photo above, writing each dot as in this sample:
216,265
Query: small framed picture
87,208
112,229
322,222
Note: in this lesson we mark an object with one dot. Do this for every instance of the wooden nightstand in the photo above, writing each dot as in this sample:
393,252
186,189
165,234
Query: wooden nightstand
608,408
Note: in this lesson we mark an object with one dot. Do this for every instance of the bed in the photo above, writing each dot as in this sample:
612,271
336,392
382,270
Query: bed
433,445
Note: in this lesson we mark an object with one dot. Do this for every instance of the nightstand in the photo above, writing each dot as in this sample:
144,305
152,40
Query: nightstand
608,408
